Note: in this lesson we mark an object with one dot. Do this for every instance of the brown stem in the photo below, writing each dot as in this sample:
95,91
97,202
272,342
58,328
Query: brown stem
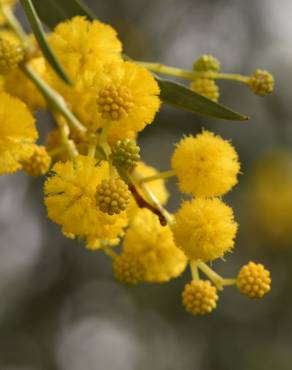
142,203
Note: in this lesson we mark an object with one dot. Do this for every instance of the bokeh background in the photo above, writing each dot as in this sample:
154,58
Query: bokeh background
60,306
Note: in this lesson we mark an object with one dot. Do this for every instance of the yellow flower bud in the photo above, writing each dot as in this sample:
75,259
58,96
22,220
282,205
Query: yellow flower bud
199,297
254,280
205,63
38,164
10,56
261,82
206,87
112,196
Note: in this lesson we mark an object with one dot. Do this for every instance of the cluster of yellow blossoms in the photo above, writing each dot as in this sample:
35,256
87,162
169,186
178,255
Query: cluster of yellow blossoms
98,189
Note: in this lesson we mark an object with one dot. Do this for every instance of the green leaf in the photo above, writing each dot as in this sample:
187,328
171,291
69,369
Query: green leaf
181,97
41,38
53,12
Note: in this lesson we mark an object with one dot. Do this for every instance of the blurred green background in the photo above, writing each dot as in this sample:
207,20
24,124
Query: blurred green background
60,306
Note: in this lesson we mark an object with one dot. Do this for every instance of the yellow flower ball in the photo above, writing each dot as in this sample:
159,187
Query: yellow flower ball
205,165
254,280
17,133
83,47
154,246
80,44
38,163
126,95
199,297
204,229
71,203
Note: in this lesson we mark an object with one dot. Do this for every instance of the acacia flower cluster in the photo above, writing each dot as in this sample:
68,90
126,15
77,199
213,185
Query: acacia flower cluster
98,188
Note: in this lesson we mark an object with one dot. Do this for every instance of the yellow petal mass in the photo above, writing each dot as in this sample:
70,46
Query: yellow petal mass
154,246
70,199
17,133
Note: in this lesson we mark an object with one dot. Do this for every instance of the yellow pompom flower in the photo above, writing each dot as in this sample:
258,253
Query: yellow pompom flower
17,84
206,165
261,82
199,297
81,44
17,133
206,87
204,229
154,246
254,280
157,187
38,163
125,96
128,269
70,199
83,47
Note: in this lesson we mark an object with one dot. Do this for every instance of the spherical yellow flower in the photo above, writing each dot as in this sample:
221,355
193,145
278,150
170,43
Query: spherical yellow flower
157,187
206,165
199,297
206,87
153,245
17,133
128,268
204,229
70,199
82,47
81,44
261,82
17,84
38,163
254,280
126,97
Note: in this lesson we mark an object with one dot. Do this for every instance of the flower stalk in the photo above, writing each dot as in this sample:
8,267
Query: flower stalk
191,75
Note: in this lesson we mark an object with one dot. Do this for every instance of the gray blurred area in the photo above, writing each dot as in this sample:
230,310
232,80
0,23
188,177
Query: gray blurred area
60,306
